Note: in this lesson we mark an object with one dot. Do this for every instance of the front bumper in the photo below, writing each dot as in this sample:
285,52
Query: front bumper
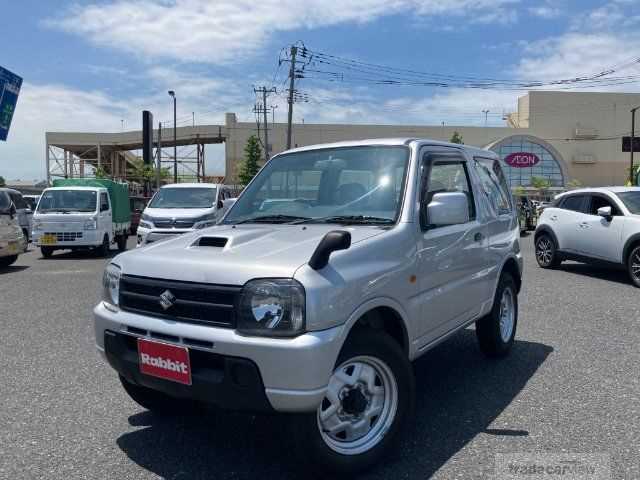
152,235
89,238
294,372
10,246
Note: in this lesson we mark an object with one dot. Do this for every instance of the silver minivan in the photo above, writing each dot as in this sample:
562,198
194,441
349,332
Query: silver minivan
11,237
336,267
24,214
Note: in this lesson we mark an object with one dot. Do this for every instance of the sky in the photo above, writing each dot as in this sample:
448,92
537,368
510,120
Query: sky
95,65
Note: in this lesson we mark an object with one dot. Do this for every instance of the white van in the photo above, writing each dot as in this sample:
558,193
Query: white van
11,237
180,208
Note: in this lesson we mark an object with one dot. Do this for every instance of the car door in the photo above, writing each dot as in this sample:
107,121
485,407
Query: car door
600,237
451,259
104,217
564,220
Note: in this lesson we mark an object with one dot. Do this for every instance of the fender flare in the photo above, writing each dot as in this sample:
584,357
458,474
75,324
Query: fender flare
371,304
627,246
546,229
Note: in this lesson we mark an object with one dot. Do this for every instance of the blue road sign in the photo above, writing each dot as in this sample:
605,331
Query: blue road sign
10,84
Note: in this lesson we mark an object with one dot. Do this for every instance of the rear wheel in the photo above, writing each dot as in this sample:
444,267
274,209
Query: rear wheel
497,330
546,252
369,399
103,250
633,265
122,242
46,252
25,234
6,261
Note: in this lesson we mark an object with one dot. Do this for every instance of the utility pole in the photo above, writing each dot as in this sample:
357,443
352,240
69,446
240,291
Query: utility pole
159,155
175,139
264,91
292,77
633,134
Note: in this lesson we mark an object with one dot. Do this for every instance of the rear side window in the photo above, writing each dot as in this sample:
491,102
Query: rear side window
494,185
574,203
18,201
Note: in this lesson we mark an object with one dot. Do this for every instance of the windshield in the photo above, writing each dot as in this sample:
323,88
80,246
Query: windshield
68,201
184,197
334,185
631,200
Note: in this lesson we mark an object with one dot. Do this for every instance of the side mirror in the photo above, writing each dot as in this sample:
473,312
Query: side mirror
448,208
28,211
220,205
605,212
228,203
331,242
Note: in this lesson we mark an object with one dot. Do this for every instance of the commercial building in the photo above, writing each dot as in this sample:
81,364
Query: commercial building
564,137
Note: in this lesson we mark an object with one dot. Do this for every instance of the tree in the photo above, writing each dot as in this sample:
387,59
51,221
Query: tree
101,172
456,138
574,183
2,181
144,172
519,191
541,184
250,166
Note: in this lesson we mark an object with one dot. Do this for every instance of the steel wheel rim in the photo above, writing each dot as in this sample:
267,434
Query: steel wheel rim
544,250
351,433
507,314
635,264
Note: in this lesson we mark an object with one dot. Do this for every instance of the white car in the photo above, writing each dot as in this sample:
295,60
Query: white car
180,208
592,225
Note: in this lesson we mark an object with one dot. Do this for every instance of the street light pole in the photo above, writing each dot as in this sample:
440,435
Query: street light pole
175,139
633,133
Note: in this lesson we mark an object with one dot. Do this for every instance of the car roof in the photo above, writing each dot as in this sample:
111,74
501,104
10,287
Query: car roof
192,185
612,189
400,141
75,188
10,190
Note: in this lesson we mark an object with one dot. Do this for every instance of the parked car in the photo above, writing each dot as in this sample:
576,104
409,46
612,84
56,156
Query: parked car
593,225
319,310
180,208
137,206
81,214
24,215
11,237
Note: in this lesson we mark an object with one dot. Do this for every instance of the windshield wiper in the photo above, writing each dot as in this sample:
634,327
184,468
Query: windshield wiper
351,219
273,219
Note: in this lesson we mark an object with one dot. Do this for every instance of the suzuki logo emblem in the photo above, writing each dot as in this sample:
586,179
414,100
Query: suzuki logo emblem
167,299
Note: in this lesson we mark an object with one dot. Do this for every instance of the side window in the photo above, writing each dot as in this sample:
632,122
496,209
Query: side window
598,201
494,185
574,203
104,202
448,176
18,201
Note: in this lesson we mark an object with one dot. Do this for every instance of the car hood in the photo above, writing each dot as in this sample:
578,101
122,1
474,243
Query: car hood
177,212
251,251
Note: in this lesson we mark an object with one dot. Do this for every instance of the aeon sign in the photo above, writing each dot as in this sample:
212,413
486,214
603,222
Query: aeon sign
521,159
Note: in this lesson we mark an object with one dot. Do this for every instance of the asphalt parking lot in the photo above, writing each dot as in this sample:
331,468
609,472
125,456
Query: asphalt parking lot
571,384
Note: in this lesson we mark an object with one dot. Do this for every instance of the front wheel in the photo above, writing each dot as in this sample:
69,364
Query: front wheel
546,252
633,265
46,252
122,242
496,331
103,250
369,398
7,261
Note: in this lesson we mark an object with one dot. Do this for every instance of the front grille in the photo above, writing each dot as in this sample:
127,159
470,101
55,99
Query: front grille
66,236
171,223
201,303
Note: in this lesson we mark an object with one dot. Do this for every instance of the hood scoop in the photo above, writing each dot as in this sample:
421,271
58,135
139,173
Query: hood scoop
218,242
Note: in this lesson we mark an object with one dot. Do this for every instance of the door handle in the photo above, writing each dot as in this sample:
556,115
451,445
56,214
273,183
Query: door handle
584,225
553,217
478,237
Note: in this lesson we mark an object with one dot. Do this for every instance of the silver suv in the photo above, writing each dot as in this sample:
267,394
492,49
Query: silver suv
336,267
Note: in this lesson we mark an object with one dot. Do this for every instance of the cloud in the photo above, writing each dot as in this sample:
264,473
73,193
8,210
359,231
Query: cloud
547,11
222,31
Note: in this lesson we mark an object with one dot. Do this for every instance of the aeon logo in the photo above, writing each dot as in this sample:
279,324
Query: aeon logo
521,159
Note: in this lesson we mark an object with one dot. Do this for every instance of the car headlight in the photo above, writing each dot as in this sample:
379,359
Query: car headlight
36,225
272,307
205,221
111,285
145,224
91,224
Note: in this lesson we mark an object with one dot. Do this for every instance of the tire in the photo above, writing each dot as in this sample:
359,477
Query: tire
387,369
103,250
496,331
633,266
158,402
7,261
122,242
46,252
547,252
25,234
